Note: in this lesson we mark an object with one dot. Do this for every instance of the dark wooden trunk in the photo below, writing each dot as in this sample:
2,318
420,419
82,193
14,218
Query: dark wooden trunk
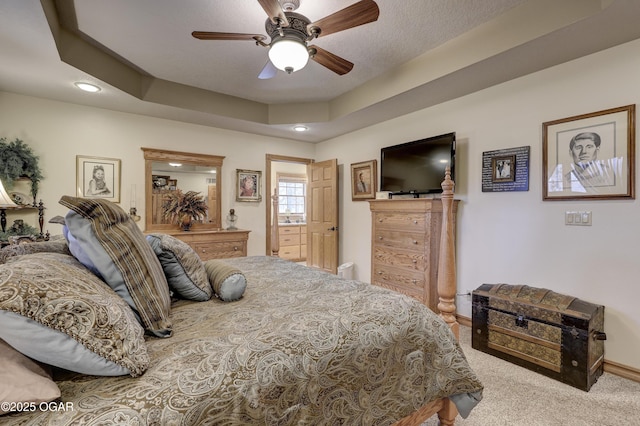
553,334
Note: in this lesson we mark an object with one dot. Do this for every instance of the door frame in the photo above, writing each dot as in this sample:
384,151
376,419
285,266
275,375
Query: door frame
269,158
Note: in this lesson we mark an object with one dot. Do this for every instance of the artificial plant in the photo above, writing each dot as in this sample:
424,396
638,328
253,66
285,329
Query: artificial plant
183,207
17,160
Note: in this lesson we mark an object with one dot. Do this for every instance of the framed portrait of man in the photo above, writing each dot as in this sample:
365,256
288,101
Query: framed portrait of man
590,156
364,180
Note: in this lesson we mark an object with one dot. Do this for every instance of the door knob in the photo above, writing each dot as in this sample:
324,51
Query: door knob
333,228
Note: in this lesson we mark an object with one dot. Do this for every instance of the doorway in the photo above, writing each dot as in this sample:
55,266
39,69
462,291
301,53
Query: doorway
278,164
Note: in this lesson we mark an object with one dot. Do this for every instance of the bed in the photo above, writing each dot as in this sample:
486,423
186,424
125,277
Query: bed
300,346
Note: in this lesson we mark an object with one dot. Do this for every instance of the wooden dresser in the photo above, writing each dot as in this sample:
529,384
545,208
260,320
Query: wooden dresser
292,238
215,244
405,245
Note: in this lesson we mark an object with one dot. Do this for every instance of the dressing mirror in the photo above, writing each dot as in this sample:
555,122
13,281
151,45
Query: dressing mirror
167,171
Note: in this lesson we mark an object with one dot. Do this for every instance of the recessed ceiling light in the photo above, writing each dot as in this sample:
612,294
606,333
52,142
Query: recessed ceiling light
300,128
175,164
87,87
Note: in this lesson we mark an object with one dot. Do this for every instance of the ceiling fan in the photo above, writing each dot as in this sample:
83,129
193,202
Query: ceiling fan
291,32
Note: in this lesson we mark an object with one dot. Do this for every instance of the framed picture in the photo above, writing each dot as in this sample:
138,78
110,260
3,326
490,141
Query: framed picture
98,177
364,180
590,156
160,181
506,170
173,184
248,183
503,169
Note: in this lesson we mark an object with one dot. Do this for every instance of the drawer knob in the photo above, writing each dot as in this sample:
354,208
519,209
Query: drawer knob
235,248
380,220
415,222
414,281
380,238
204,250
379,272
415,261
415,242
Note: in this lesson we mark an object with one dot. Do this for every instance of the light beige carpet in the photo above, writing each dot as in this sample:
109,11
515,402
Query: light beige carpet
515,396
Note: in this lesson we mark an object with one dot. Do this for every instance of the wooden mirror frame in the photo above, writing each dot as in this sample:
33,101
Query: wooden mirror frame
206,160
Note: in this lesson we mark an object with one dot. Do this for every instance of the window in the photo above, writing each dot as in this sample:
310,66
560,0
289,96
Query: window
291,194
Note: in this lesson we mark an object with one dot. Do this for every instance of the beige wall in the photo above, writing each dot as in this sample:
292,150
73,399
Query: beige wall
506,237
516,237
58,131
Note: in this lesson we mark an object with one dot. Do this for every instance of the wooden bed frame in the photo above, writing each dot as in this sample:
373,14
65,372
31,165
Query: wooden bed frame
445,409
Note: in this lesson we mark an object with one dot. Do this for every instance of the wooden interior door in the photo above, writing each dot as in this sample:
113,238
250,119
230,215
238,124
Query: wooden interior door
212,196
322,215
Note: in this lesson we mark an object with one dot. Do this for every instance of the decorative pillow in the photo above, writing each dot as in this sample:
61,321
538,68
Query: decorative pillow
76,250
23,379
118,250
15,250
54,310
228,283
182,267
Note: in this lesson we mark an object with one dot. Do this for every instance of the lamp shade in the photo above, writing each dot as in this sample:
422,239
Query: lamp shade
5,199
288,55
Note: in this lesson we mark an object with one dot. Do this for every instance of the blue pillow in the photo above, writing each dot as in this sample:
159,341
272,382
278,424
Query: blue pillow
119,251
227,282
182,267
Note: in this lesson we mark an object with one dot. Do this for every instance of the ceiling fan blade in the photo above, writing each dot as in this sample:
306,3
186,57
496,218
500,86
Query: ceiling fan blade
360,13
274,12
208,35
334,62
269,71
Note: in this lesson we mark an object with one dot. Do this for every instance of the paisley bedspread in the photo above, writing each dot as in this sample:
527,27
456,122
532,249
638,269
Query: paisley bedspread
302,347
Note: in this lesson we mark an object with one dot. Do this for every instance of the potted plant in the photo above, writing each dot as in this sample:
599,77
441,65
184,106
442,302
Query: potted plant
184,207
17,160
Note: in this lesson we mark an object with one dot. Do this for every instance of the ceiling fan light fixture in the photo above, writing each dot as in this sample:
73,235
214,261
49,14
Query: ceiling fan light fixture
288,54
300,128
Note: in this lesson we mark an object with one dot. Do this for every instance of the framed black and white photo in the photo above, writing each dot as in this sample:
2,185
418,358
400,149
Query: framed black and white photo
98,177
506,170
503,168
248,183
590,156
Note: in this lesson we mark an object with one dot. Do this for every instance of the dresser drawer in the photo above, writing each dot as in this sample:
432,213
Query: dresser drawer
289,253
289,230
289,240
405,259
403,281
403,240
400,221
221,249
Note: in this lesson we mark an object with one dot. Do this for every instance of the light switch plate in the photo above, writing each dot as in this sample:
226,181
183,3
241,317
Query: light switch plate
577,218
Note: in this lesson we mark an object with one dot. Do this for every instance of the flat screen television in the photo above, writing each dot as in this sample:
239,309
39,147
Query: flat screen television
417,167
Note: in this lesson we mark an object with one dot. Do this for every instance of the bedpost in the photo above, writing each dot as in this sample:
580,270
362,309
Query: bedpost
275,243
447,262
447,286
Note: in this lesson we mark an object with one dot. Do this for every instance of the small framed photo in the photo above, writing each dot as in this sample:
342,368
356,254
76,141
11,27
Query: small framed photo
98,177
364,180
506,170
590,156
160,181
172,184
248,184
503,169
